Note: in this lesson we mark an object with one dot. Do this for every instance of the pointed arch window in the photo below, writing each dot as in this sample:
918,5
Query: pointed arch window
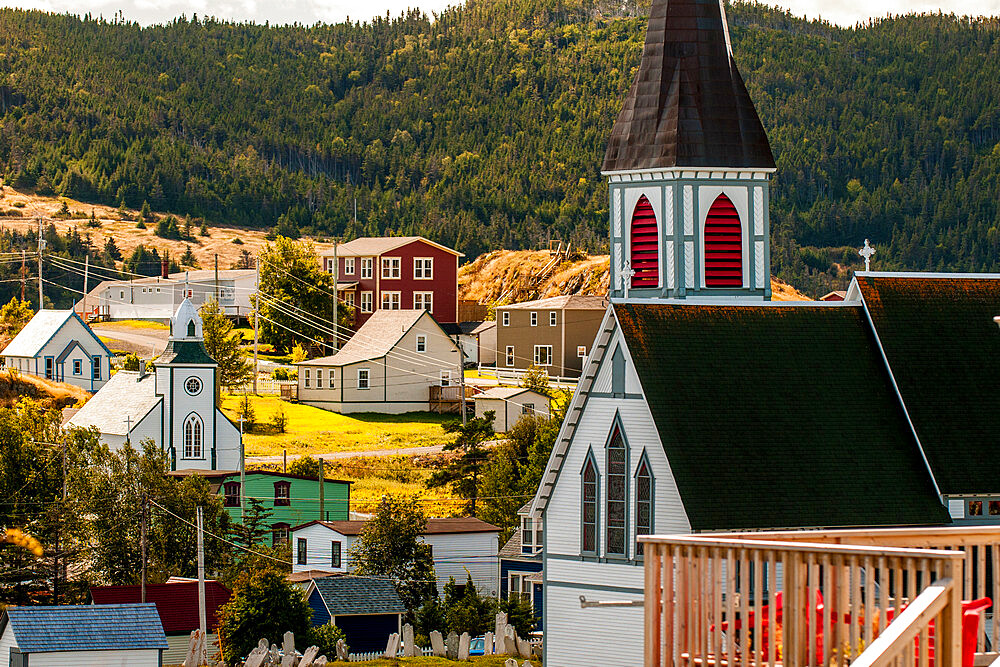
193,437
723,245
191,329
643,502
589,488
617,493
644,243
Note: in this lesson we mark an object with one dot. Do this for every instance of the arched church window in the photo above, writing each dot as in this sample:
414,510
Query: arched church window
643,502
723,245
644,243
617,493
191,330
193,437
589,523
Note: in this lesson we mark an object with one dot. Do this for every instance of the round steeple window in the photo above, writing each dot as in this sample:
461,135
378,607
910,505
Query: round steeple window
192,386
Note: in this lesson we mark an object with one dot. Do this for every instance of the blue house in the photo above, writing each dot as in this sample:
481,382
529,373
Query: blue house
129,635
521,563
368,610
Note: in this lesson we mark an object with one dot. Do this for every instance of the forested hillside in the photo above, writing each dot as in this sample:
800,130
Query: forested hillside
485,127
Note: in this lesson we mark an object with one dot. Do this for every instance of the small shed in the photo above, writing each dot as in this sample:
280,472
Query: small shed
510,404
125,635
367,609
177,605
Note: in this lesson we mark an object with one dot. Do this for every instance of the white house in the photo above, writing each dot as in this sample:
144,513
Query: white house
174,406
101,635
461,546
389,365
510,404
157,297
58,345
486,343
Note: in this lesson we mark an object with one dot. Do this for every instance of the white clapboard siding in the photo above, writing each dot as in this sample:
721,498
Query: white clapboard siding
7,642
131,658
592,637
177,647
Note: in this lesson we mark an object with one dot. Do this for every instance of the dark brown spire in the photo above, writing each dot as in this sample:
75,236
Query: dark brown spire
688,106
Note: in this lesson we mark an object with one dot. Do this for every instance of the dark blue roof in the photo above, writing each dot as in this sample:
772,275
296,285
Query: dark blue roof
358,595
85,627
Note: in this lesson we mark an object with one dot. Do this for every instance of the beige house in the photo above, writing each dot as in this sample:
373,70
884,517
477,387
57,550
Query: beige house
555,333
510,404
389,365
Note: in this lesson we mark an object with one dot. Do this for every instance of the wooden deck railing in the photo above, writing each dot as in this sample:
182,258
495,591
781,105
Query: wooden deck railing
765,600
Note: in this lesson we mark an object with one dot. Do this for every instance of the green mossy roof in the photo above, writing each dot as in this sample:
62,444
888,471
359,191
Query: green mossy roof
778,417
185,352
944,350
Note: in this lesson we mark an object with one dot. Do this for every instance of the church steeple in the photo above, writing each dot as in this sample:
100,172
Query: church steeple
688,164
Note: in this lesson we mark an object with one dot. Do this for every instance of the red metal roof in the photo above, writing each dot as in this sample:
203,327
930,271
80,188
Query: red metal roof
177,603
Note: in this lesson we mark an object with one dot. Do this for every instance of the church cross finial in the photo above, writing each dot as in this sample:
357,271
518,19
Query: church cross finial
128,427
627,274
867,253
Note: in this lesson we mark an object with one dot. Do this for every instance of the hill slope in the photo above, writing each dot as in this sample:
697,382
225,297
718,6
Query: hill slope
485,127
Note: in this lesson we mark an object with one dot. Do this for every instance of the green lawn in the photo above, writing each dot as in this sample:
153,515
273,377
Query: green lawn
312,430
135,324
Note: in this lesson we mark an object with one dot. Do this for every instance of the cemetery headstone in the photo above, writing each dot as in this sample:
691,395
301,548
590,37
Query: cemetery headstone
409,646
510,662
498,639
463,646
341,651
308,657
488,644
437,644
451,645
392,646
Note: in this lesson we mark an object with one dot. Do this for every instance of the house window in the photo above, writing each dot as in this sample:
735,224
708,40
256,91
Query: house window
331,381
366,302
994,507
349,266
390,300
581,351
617,493
644,246
366,267
363,376
77,367
279,533
723,245
589,502
49,365
423,268
300,548
282,494
519,586
421,343
232,494
193,430
390,267
534,319
319,378
975,508
510,355
543,355
528,409
349,299
553,318
305,378
423,300
643,503
445,378
335,554
505,319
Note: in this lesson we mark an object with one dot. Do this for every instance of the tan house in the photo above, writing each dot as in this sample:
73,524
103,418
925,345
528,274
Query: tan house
390,365
509,404
555,333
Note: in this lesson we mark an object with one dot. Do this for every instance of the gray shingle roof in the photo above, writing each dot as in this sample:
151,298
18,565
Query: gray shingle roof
374,339
571,302
369,246
36,333
95,627
125,396
503,393
359,595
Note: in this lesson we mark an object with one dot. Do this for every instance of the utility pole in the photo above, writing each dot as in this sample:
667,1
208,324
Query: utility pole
41,244
243,477
144,529
24,273
86,276
55,557
322,483
217,277
256,326
202,622
336,295
461,379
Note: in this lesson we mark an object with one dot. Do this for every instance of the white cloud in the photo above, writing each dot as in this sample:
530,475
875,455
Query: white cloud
843,12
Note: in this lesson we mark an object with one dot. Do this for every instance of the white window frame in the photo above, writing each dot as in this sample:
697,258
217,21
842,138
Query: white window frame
332,382
527,408
539,348
394,300
534,319
421,345
319,378
305,378
348,266
522,580
391,268
423,268
364,379
581,351
426,301
349,299
194,440
366,267
509,355
553,319
445,378
367,298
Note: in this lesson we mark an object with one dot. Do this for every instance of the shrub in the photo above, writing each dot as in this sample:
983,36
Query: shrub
325,639
280,419
246,413
264,605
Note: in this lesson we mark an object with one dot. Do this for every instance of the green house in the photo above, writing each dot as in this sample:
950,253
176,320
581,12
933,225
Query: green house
291,499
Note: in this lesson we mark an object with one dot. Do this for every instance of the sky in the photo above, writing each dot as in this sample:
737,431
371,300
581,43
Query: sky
843,12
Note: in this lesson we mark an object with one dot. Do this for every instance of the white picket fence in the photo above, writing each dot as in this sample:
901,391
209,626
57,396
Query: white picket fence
375,655
265,385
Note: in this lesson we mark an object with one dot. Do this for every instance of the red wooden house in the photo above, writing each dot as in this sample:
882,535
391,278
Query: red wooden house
396,273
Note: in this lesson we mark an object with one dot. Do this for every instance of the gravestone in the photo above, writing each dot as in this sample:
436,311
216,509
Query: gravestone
409,646
509,640
437,644
451,646
257,656
192,654
392,646
463,646
488,644
321,661
510,662
526,664
341,650
274,658
308,657
498,640
523,648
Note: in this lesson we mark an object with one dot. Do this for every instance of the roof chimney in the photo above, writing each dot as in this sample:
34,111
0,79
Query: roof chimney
142,368
164,268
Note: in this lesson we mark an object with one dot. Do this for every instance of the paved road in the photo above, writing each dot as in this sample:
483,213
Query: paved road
403,451
146,341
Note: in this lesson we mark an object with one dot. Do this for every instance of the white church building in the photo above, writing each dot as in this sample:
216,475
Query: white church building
174,406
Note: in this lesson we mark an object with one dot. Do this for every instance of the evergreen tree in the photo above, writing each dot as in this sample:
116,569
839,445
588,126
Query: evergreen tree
290,275
462,473
223,345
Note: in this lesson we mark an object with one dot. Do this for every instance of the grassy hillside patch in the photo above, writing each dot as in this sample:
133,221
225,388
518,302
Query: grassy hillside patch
315,431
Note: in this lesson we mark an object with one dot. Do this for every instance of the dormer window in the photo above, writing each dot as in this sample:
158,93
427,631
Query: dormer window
191,330
531,535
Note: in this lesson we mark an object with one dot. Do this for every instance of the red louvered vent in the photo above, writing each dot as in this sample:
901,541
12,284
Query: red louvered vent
723,245
644,244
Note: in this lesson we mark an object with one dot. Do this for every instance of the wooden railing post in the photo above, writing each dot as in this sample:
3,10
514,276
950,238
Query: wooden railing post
948,643
652,605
